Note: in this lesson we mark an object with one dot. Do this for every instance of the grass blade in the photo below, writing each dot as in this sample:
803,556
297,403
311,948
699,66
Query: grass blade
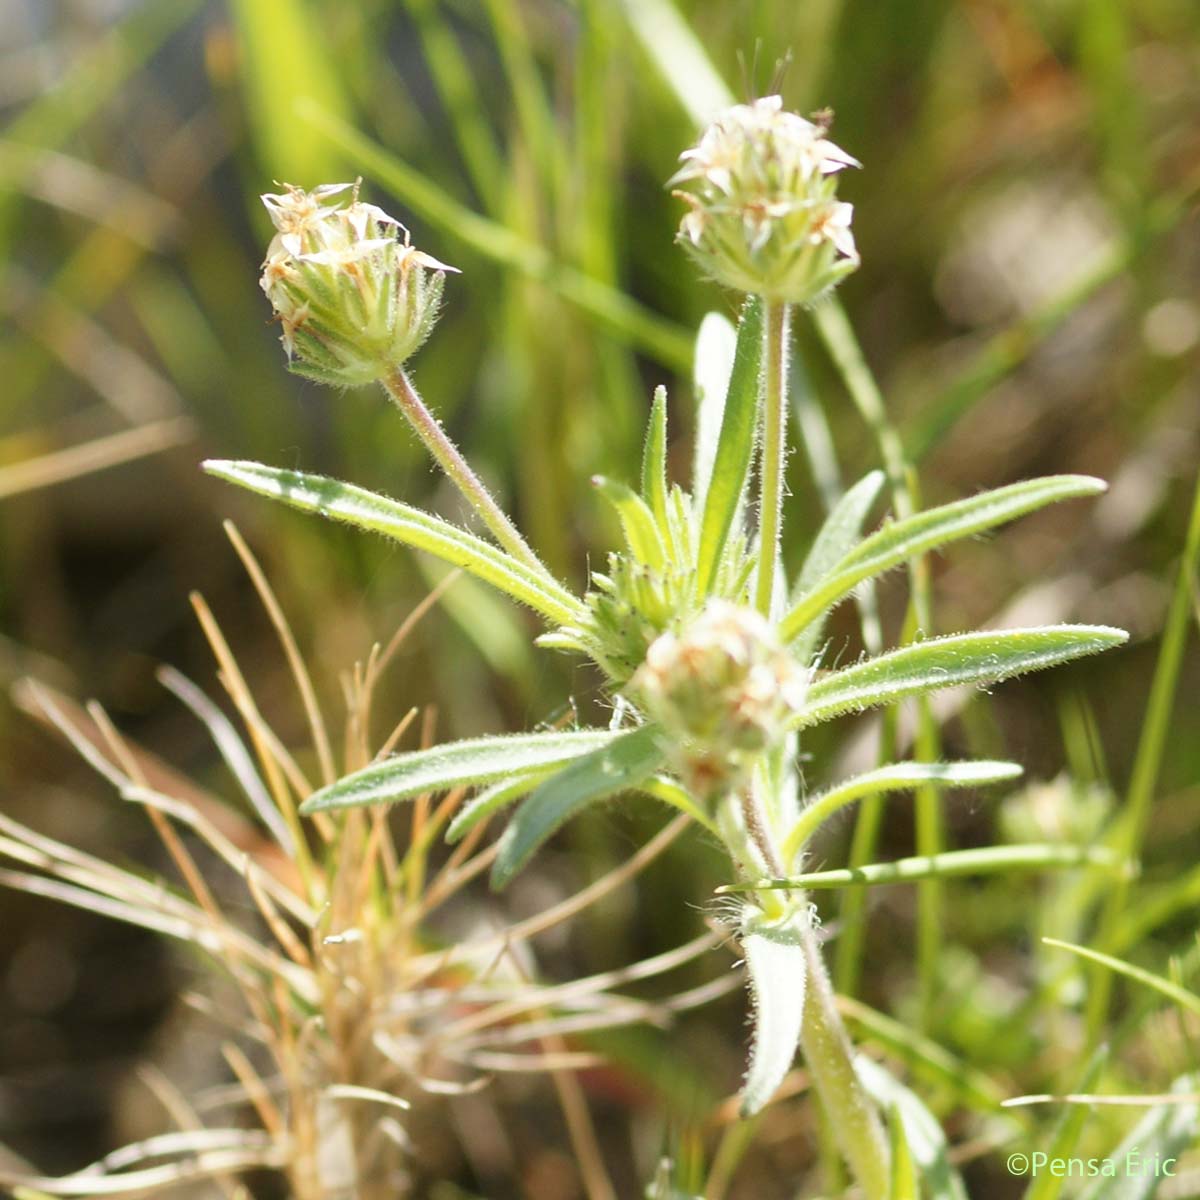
1172,991
625,762
458,764
379,514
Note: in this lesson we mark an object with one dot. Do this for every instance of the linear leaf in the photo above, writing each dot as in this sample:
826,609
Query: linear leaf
625,762
489,802
716,344
380,514
961,658
457,764
987,860
637,521
777,972
895,777
838,536
901,540
735,446
923,1134
1067,1131
654,459
903,1183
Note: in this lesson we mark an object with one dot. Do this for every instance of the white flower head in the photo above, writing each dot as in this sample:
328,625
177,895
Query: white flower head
763,217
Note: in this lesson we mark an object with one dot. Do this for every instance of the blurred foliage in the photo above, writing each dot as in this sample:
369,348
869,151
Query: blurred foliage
1026,217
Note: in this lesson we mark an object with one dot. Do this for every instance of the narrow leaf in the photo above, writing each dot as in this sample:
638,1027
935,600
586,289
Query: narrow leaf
637,521
625,762
735,447
715,346
654,459
777,972
1068,1128
403,523
902,540
1172,991
962,658
988,860
895,777
923,1134
458,764
489,802
838,536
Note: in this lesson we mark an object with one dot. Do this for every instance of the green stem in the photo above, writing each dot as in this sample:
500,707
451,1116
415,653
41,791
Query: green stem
402,393
823,1038
774,449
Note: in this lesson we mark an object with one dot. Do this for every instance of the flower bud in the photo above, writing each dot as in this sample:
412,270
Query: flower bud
354,300
722,689
763,215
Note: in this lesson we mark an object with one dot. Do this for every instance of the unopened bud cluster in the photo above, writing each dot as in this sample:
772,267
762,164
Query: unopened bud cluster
763,215
355,301
723,690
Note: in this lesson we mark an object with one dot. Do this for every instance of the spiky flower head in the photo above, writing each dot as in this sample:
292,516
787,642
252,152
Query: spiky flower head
354,299
763,215
722,689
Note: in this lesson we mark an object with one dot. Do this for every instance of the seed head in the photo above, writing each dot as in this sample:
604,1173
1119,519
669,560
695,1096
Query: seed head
763,214
355,301
722,689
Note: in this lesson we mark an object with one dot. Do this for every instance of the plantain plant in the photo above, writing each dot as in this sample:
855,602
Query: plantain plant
710,654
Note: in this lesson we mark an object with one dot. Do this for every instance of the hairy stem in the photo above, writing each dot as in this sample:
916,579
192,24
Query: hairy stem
402,393
823,1038
774,444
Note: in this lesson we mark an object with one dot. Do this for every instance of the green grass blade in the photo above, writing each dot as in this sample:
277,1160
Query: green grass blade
1172,991
735,447
411,526
627,761
285,60
654,460
963,658
912,536
988,860
777,971
457,764
1047,1185
903,1183
621,315
895,777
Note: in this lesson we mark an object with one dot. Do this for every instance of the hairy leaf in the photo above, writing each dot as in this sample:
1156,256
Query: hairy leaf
899,541
625,762
654,459
962,658
637,521
777,972
458,764
394,519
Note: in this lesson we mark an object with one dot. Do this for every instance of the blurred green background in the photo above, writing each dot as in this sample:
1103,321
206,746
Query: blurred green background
1026,218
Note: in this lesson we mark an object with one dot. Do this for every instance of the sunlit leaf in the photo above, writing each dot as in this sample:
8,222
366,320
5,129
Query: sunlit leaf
457,764
902,540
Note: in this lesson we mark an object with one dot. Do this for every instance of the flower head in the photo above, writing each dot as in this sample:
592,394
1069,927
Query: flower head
722,689
355,301
763,214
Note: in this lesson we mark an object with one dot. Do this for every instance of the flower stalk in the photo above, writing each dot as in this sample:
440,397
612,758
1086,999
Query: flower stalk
401,392
776,323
